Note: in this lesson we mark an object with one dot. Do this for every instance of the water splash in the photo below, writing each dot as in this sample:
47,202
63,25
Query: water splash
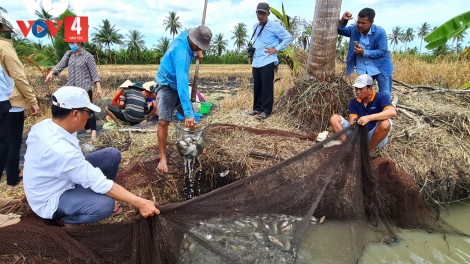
192,177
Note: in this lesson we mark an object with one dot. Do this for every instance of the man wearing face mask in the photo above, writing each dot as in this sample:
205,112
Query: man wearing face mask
81,73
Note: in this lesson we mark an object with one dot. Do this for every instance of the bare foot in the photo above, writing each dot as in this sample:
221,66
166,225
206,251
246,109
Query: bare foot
162,166
117,208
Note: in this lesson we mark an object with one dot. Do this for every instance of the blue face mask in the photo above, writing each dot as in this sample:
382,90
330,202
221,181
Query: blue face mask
73,47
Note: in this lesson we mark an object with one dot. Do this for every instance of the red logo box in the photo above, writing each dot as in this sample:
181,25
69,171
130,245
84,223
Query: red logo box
76,29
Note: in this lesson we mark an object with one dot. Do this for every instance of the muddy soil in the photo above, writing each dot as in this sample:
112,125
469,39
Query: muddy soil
214,89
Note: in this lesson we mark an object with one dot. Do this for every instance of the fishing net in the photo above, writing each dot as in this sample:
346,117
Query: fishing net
263,218
190,144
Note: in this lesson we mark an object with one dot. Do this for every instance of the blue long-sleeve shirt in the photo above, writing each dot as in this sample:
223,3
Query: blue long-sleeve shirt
174,70
273,36
377,51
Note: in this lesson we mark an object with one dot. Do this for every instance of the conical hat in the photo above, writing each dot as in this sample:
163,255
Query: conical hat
148,84
125,84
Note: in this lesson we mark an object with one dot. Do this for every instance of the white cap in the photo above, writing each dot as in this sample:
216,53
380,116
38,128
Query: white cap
362,81
70,97
125,84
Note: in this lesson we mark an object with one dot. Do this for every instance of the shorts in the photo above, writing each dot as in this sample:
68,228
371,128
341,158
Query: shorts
345,124
168,99
120,115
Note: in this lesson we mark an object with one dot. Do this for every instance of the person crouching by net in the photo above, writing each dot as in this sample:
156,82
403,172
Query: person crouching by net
59,181
132,106
370,109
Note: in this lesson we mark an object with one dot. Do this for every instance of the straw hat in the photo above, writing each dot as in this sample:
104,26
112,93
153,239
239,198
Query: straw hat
201,36
3,26
147,86
125,84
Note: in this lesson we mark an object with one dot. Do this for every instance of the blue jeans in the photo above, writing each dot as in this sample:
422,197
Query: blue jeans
345,124
83,205
384,84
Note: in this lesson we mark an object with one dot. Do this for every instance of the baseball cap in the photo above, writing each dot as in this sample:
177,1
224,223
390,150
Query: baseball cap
201,36
70,97
125,84
362,81
263,7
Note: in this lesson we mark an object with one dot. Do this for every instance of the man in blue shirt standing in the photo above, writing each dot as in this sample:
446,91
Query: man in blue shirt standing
173,78
269,37
370,109
368,49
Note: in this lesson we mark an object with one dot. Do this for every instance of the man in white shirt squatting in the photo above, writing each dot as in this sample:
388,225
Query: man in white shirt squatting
59,181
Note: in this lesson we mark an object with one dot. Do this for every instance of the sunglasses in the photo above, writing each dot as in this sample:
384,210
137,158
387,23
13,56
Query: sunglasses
90,113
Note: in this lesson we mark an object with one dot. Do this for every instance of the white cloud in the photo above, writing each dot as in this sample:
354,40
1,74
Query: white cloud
222,15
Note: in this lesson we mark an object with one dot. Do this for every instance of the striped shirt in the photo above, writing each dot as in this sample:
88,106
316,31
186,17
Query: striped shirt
81,67
135,105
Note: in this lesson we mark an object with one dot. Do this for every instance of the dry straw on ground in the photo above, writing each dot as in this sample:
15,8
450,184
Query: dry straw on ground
435,153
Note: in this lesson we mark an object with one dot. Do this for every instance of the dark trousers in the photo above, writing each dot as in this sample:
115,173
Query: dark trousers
83,205
263,90
91,123
16,137
4,133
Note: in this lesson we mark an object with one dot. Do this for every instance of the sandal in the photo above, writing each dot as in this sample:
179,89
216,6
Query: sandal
262,116
254,112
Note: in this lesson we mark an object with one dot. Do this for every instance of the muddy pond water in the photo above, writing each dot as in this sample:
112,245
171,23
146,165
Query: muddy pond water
331,243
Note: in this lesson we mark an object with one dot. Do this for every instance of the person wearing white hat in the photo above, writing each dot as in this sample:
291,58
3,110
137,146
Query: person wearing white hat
132,107
59,181
151,101
370,109
173,78
117,96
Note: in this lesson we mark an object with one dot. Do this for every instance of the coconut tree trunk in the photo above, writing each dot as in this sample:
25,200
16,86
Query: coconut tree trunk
321,56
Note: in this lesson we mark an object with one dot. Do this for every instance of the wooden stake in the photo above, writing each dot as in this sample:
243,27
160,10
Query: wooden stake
196,73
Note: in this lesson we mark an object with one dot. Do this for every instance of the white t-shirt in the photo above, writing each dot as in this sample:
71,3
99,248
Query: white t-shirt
54,163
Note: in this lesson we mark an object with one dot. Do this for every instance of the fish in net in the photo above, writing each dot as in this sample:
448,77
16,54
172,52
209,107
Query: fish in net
262,218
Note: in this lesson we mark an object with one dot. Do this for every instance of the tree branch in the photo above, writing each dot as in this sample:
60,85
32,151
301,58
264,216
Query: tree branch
436,89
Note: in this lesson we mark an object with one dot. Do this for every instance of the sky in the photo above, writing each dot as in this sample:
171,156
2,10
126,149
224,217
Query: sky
222,16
